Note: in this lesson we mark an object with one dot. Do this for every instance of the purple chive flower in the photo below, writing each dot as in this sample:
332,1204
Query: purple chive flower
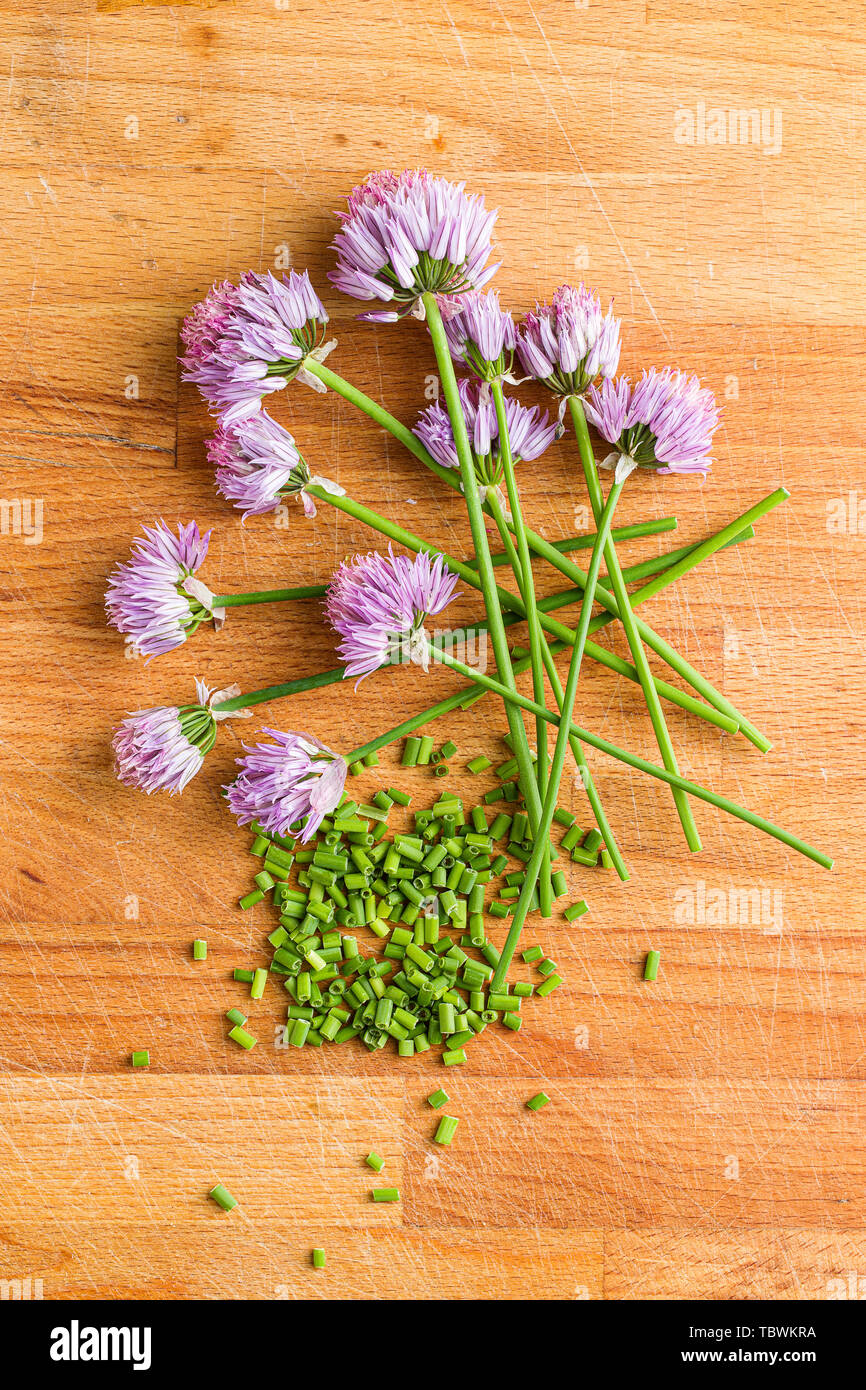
570,342
154,599
666,421
295,778
244,341
480,333
257,464
530,432
378,603
162,749
407,233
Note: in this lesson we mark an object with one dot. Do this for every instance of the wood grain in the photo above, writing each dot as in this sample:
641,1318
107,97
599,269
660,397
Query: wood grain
704,1136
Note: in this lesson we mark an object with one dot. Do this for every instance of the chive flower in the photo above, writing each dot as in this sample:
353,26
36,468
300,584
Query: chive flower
570,342
162,749
405,234
154,599
480,333
665,421
295,778
378,605
257,464
244,341
530,432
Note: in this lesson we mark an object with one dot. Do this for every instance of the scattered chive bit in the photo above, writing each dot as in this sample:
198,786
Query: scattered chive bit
386,1194
532,953
479,764
375,1161
651,965
223,1197
438,1099
318,1257
242,1037
199,950
236,1017
576,910
446,1130
448,749
537,1101
257,988
141,1059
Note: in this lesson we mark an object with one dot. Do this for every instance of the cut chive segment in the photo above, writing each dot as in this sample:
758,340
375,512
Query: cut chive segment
446,1130
538,1100
651,965
318,1257
223,1197
199,950
141,1059
386,1194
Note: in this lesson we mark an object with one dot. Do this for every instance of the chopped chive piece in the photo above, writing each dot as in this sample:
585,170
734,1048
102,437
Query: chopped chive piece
374,1161
251,899
257,988
440,770
263,880
513,1021
425,750
546,966
576,910
259,845
223,1197
437,1099
371,760
199,950
479,764
448,749
454,1058
242,1037
532,953
235,1016
411,749
651,965
537,1101
563,817
558,883
386,1194
318,1257
550,984
446,1130
243,977
141,1059
401,798
355,769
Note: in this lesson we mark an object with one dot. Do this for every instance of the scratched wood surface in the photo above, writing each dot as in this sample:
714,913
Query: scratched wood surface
705,1136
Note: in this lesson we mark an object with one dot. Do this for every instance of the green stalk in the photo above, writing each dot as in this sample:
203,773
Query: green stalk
523,575
542,837
545,606
543,548
586,542
269,596
489,588
632,760
629,623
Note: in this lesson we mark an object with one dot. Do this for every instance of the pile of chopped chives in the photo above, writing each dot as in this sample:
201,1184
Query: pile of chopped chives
422,896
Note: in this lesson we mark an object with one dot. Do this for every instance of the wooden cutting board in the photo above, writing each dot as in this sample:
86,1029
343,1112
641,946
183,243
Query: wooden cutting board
705,1135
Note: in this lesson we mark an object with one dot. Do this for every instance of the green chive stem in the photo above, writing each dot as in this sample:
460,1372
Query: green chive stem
629,623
